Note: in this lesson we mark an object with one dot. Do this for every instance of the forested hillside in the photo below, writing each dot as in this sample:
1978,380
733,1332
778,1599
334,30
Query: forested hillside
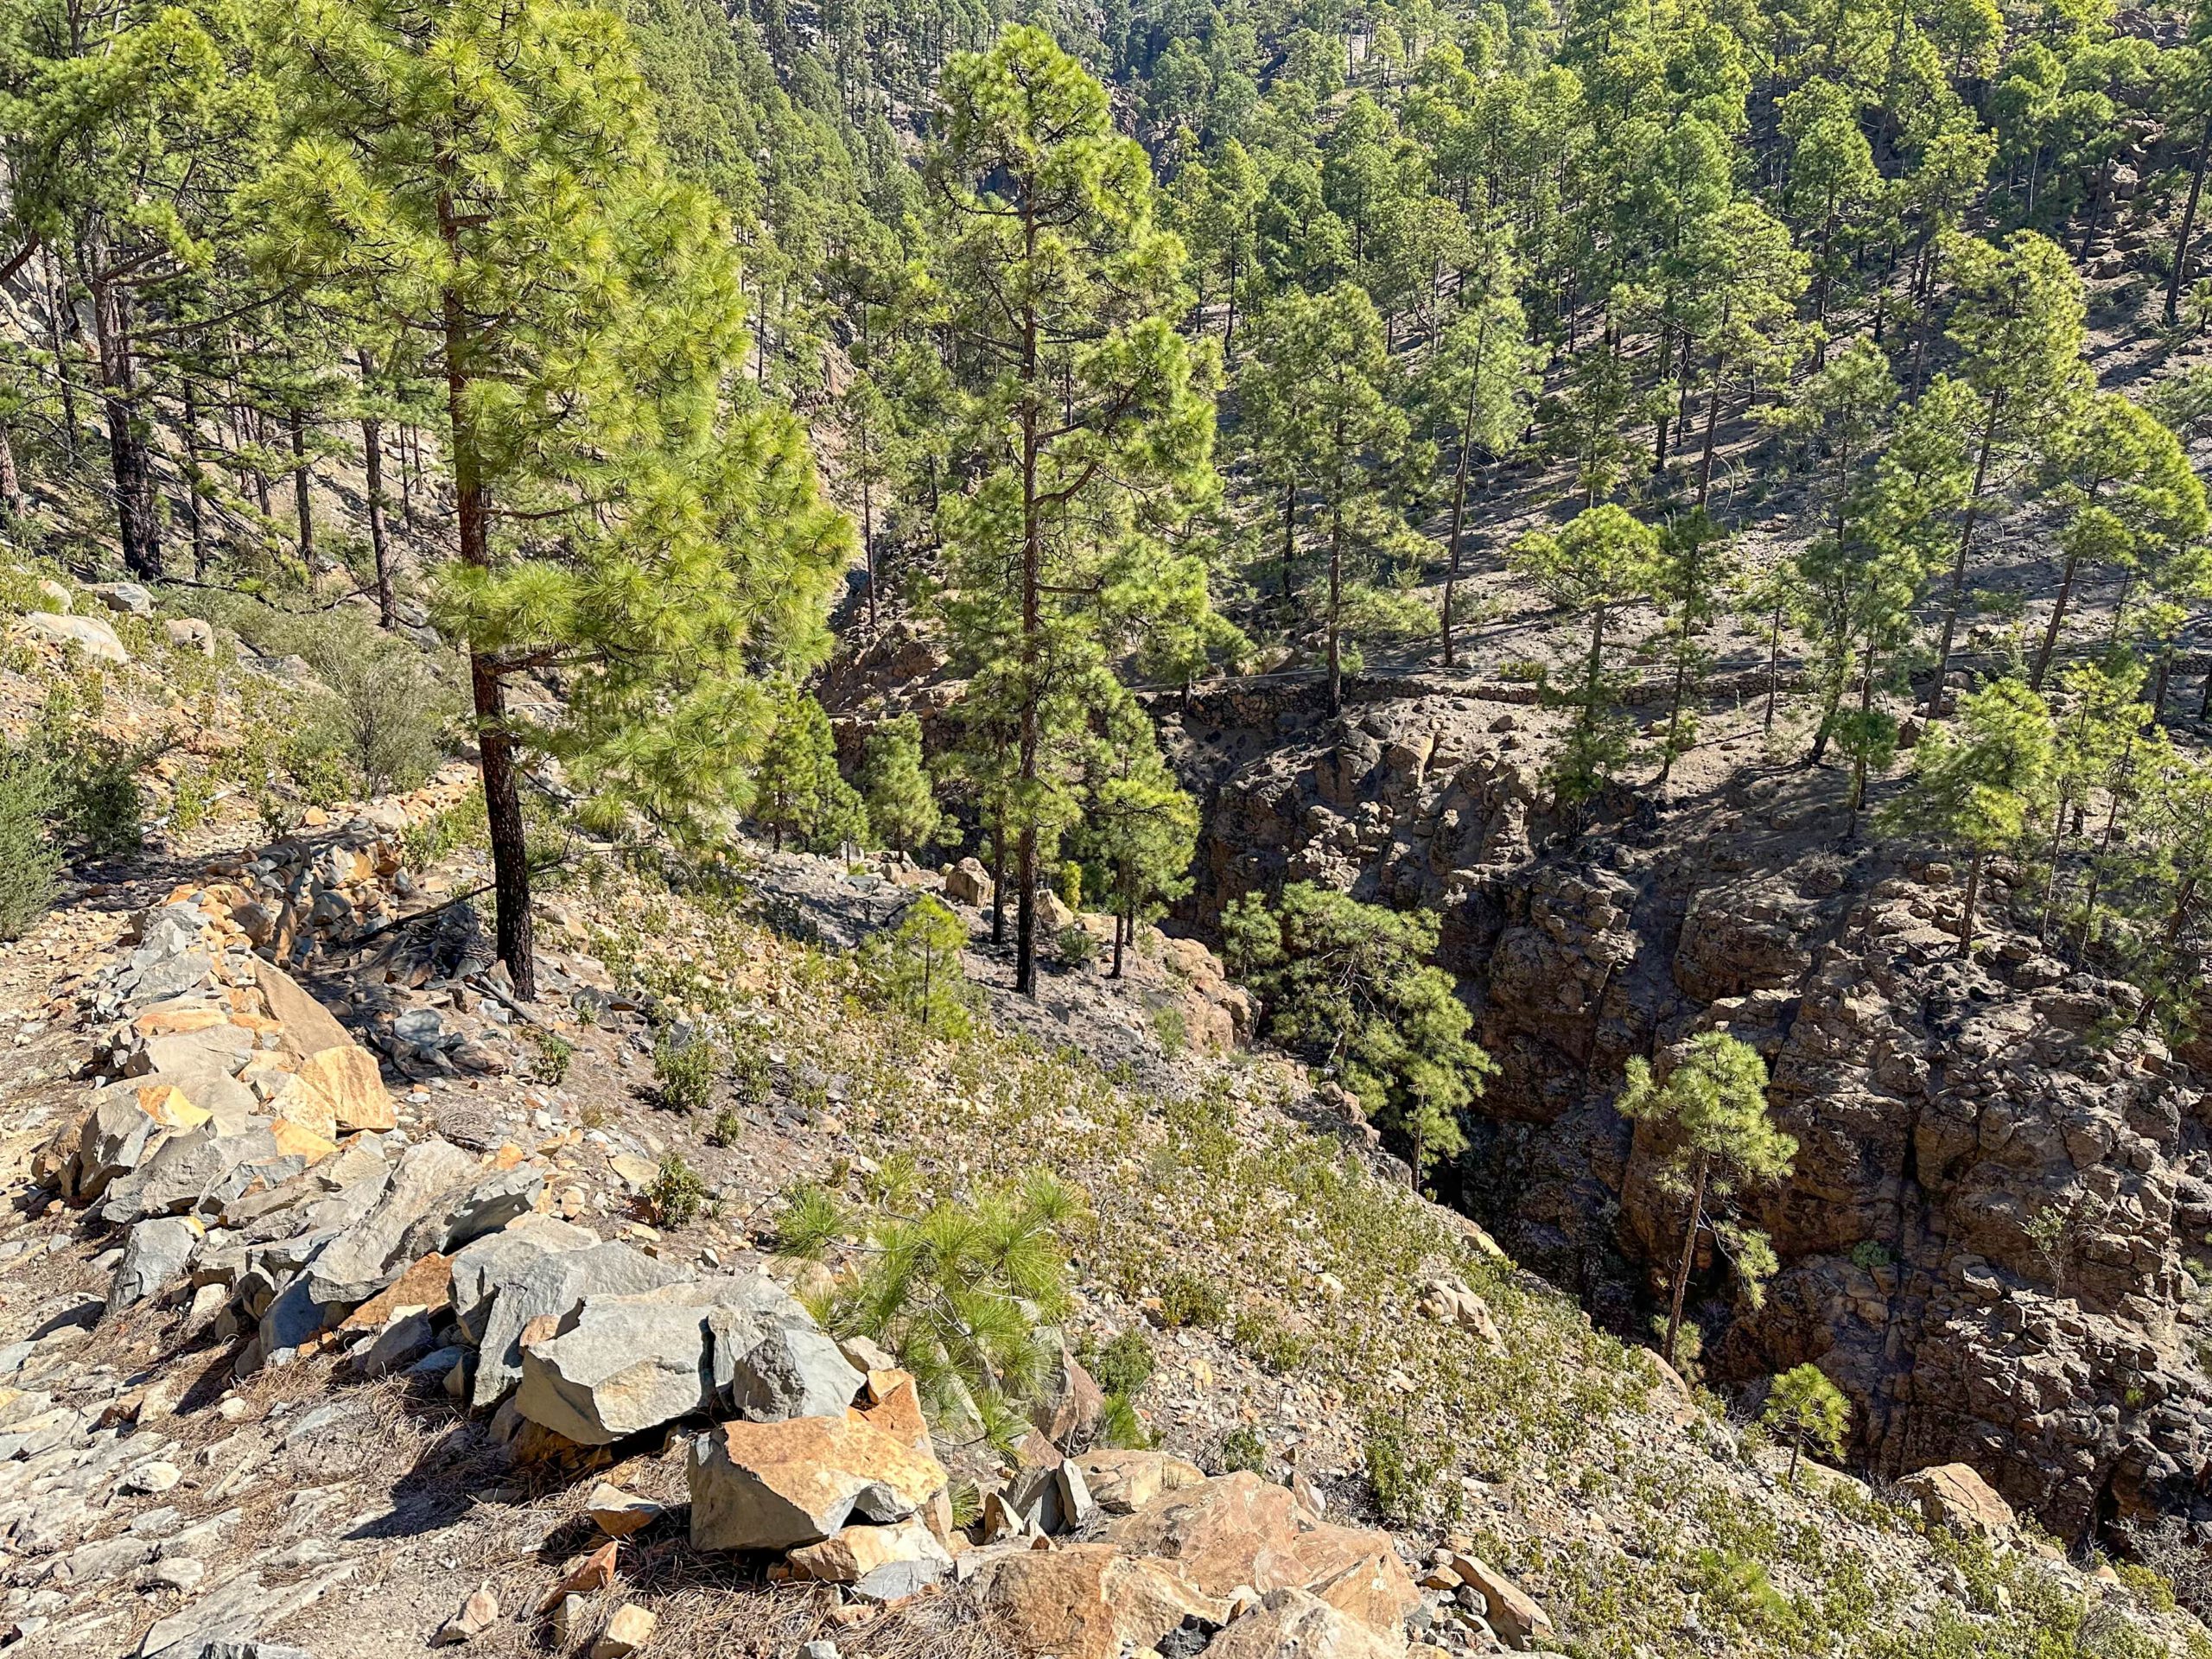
1639,573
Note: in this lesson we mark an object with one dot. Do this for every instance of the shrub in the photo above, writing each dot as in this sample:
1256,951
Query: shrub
1120,1426
1242,1449
915,967
729,1127
685,1072
429,841
1076,946
1187,1299
1403,1463
387,709
102,806
1275,1345
1125,1365
28,863
1870,1254
1172,1028
192,799
555,1051
679,1192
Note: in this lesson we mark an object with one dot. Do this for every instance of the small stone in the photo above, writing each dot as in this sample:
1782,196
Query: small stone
156,1477
630,1628
618,1513
477,1615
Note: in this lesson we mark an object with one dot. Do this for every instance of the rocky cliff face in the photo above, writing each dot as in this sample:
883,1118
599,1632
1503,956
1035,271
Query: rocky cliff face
1985,1241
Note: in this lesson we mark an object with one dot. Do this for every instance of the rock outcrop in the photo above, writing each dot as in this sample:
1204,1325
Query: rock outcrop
1986,1239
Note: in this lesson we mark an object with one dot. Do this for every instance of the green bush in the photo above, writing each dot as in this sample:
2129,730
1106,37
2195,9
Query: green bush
1172,1027
1075,945
1188,1298
685,1072
728,1128
99,804
28,863
1120,1426
1241,1450
1403,1464
1125,1365
956,1293
554,1053
679,1192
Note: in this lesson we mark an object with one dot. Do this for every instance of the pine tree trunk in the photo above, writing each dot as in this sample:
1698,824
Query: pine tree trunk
494,743
1033,558
2180,272
303,504
998,880
128,459
1336,604
11,486
1459,491
2057,615
1712,422
1124,924
1966,546
1683,1267
57,303
194,517
372,461
1974,893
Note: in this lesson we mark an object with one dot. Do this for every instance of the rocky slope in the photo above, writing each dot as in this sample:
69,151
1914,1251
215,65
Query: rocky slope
1986,1239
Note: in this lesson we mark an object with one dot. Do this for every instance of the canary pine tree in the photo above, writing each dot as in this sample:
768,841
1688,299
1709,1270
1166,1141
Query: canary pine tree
483,180
1090,420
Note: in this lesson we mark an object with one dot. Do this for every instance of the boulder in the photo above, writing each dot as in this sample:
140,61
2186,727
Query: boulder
894,1405
1089,1601
1511,1612
480,1269
306,1027
87,633
546,1286
877,1563
793,1371
124,598
348,1079
1231,1530
628,1629
1292,1623
1952,1495
775,1485
1069,1403
179,1173
1452,1302
617,1513
1124,1482
618,1366
190,633
365,1258
969,883
155,1253
112,1141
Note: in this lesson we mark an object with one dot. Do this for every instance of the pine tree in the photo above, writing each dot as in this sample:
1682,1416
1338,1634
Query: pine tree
1092,419
1693,578
1479,380
484,181
2018,328
1352,986
901,802
1713,1109
1139,828
1316,393
1602,559
1975,791
1806,1409
1742,312
915,966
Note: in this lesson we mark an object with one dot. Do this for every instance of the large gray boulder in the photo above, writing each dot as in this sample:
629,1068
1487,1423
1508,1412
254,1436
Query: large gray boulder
155,1253
112,1141
619,1365
365,1258
480,1269
793,1372
552,1287
183,1170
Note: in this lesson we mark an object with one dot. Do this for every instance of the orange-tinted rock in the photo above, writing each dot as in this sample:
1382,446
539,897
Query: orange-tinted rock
427,1284
774,1486
1089,1601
